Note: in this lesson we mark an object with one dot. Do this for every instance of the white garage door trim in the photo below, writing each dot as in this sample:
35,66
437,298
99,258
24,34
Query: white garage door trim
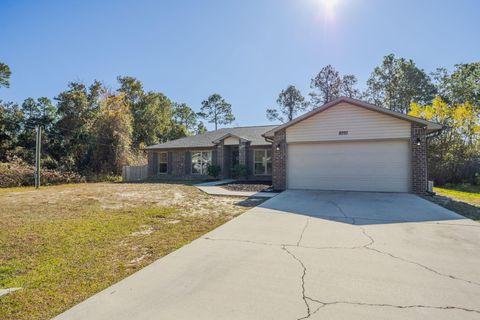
376,165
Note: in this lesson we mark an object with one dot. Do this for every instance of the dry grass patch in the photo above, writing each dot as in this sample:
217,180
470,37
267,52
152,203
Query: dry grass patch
62,244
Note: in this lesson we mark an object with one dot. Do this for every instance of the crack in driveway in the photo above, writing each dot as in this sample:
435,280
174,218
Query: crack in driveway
372,242
304,272
325,304
303,231
368,246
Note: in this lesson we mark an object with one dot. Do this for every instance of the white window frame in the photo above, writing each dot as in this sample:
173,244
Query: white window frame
161,162
205,164
264,161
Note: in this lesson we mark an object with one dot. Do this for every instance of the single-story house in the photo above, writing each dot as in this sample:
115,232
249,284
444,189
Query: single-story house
346,144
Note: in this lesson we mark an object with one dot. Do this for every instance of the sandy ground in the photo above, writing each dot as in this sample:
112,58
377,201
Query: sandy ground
71,200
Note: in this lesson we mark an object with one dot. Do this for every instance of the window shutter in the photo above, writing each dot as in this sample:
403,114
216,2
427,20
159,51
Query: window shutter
188,162
249,163
155,163
214,157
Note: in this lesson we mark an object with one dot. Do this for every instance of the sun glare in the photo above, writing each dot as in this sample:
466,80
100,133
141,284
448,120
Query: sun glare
329,7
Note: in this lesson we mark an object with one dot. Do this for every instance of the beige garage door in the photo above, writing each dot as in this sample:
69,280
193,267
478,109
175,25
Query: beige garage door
356,166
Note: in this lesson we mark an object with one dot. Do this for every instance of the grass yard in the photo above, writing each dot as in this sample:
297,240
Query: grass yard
62,244
465,200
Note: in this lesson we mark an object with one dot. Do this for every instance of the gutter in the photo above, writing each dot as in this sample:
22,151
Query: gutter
270,140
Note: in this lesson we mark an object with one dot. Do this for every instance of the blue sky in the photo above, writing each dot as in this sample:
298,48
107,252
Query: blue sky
246,50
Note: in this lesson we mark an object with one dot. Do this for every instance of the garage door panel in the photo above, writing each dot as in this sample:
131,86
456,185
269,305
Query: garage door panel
362,166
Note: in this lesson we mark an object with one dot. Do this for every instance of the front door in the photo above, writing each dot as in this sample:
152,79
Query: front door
235,157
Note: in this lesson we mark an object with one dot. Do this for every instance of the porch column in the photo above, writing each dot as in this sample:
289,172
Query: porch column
242,152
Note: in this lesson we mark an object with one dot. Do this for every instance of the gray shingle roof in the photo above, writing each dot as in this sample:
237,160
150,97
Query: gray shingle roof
253,134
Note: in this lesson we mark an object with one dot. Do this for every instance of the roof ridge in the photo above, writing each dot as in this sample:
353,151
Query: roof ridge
266,125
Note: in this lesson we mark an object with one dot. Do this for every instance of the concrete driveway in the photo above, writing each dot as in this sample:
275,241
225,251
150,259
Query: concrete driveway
315,255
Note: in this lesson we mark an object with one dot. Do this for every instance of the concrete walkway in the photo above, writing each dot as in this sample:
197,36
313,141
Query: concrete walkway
312,255
8,290
214,188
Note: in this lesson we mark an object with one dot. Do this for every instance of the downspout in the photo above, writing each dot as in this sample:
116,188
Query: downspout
427,137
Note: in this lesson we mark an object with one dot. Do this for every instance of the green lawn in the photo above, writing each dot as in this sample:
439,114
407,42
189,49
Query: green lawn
466,199
62,244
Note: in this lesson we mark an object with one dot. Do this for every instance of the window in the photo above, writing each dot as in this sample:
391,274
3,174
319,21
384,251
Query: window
263,162
200,161
162,162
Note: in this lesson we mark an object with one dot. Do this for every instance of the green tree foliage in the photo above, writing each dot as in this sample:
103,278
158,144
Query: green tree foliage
11,120
460,86
185,116
200,128
216,110
5,74
453,155
39,112
328,85
154,115
153,119
35,112
397,82
290,102
77,109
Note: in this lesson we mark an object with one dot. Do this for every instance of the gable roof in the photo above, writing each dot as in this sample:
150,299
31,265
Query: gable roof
229,135
208,139
431,126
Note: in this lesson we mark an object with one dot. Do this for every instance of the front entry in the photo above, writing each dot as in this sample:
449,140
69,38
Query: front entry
235,157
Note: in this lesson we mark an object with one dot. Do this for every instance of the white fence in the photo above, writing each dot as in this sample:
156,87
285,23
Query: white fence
134,173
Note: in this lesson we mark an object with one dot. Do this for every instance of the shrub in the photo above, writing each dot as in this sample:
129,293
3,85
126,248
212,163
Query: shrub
239,171
19,174
214,170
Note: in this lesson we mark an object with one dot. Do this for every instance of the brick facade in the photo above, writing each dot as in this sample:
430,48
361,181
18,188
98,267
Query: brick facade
221,158
279,167
419,158
179,162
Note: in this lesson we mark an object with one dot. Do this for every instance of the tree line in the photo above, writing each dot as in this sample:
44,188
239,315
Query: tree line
92,130
451,98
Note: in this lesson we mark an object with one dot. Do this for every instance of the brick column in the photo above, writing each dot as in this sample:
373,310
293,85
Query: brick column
419,158
279,166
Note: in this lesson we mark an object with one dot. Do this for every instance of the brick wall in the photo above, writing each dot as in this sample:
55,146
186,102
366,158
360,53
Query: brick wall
419,159
220,158
151,169
279,177
177,163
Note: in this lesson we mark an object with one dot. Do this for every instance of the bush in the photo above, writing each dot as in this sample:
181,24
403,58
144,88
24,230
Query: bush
239,171
103,178
214,170
19,174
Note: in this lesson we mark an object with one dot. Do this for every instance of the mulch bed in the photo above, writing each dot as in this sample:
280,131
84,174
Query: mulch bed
253,186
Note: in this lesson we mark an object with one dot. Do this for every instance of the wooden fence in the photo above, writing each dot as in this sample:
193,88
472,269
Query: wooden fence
134,173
